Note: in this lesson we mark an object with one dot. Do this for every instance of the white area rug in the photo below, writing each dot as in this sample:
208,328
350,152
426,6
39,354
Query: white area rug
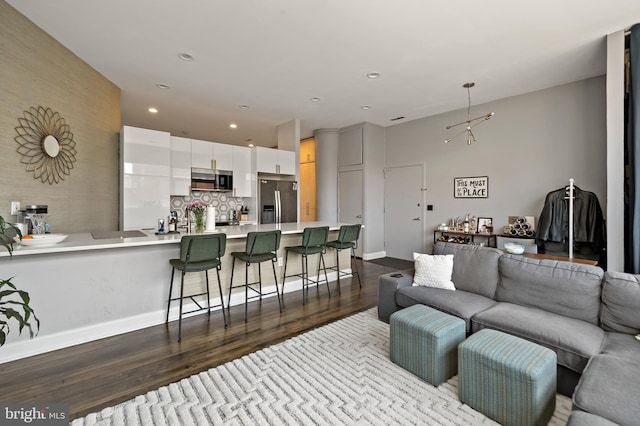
339,374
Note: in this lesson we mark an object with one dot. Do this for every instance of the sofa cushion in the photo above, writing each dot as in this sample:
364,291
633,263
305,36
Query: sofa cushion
621,302
581,418
573,341
475,268
433,271
620,345
609,388
459,303
564,288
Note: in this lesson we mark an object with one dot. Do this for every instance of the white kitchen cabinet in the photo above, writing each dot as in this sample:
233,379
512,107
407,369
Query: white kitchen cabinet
222,155
201,154
243,177
286,162
277,161
145,177
211,155
180,166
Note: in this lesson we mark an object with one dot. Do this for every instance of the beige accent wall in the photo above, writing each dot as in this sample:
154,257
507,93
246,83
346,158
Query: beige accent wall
36,70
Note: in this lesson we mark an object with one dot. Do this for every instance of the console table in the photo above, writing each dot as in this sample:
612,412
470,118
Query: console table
467,237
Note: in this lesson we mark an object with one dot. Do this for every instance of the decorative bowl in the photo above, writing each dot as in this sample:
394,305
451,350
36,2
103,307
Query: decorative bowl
513,248
43,239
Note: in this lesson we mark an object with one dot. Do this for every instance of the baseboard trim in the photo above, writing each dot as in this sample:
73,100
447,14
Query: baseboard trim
375,255
39,345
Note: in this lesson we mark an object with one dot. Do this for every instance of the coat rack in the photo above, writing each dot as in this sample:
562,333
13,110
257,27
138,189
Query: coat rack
570,197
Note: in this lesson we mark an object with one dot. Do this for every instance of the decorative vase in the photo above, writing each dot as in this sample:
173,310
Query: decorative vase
199,222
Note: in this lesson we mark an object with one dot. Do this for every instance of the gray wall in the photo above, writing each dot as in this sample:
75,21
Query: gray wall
533,145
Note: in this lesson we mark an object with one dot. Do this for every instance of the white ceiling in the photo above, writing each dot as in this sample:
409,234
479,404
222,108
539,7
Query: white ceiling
274,55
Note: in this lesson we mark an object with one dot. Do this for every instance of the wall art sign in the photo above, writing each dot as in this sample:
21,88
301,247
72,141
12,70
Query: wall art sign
471,187
46,144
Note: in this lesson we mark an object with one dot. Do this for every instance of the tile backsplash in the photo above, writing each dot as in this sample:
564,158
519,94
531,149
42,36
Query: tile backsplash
223,203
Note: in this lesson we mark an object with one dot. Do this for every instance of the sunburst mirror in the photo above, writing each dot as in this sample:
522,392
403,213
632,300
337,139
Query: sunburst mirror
46,144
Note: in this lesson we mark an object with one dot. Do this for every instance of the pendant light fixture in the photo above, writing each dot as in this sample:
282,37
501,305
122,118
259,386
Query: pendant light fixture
470,135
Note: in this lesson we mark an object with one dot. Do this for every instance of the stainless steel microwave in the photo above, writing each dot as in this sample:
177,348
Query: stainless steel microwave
211,180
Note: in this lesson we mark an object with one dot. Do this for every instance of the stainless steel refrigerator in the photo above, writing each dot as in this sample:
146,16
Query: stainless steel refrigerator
278,201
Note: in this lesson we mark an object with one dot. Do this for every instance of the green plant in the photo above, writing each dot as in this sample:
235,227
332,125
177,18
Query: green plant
14,303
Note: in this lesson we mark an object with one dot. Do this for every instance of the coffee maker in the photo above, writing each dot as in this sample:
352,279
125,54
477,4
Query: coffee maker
34,217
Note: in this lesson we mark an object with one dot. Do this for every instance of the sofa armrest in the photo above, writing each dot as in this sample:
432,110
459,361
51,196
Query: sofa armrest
387,286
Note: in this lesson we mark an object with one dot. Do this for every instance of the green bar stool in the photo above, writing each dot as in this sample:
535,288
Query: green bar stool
347,239
314,241
261,247
198,253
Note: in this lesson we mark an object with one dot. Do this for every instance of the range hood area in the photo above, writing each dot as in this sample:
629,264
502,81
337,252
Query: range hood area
211,180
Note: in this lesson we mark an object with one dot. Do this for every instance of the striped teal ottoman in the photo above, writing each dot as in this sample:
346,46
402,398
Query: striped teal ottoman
424,341
507,378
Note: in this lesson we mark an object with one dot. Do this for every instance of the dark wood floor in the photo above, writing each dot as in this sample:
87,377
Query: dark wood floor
103,373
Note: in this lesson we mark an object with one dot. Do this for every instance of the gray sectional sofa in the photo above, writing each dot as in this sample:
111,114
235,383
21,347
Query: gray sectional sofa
587,316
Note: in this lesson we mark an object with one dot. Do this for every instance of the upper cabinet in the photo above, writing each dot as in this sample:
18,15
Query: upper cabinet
145,177
211,155
145,151
275,161
222,156
180,166
307,151
350,148
243,176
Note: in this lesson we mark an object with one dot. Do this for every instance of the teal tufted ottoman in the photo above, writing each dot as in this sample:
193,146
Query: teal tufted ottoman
507,378
424,341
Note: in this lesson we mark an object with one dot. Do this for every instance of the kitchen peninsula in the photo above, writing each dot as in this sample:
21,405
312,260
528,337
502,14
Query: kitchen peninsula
85,289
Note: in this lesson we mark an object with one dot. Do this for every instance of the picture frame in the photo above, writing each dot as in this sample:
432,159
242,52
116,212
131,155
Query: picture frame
484,225
471,187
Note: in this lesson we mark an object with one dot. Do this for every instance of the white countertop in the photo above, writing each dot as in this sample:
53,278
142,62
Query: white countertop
84,241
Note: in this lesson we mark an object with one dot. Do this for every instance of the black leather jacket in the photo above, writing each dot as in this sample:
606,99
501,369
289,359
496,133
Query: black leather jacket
588,221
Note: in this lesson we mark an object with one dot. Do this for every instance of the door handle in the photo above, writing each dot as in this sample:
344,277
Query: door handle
416,218
359,216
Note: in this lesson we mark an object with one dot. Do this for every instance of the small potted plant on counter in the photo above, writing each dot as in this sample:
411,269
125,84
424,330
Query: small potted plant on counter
14,303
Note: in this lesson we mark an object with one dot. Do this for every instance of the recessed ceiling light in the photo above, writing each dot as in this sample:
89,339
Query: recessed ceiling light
366,107
185,57
162,86
233,125
244,107
153,110
373,75
250,145
315,99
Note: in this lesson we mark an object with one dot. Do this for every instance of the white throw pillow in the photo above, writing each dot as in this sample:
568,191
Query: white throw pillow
433,271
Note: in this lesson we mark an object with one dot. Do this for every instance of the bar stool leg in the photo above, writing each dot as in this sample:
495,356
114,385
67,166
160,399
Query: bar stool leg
275,279
224,314
353,261
260,281
206,277
233,267
180,314
324,267
305,279
246,290
170,291
338,268
284,275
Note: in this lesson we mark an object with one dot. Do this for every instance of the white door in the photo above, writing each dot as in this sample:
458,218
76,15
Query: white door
350,197
403,200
